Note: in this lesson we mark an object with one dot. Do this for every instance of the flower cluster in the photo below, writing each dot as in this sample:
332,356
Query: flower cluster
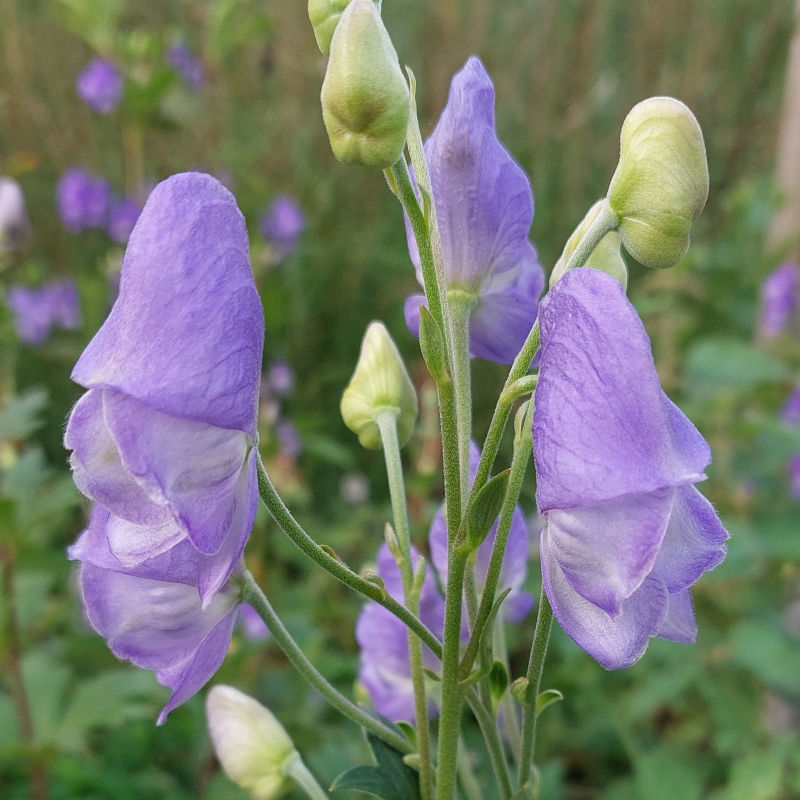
163,441
484,206
100,85
38,311
626,532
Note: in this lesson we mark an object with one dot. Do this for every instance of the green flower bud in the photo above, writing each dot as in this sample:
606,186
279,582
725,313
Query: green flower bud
607,256
252,746
324,16
380,383
365,99
661,182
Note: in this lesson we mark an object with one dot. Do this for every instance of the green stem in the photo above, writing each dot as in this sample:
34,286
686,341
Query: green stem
252,594
605,221
299,773
466,776
507,702
336,568
387,424
541,637
494,746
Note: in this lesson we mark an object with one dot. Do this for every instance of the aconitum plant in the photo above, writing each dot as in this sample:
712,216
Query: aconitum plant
164,442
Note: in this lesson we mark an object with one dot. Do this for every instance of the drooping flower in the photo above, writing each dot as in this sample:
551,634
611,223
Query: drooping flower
186,65
780,299
626,531
100,85
515,561
484,206
151,613
282,225
14,224
164,437
38,311
83,200
122,215
384,666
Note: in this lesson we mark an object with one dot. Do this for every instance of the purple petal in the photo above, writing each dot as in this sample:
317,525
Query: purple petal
693,542
614,643
679,624
605,551
603,427
411,311
186,332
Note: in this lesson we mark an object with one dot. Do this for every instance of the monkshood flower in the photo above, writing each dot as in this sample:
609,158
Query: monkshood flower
186,65
626,532
14,224
38,311
164,438
83,200
282,225
484,205
122,215
780,300
515,561
151,613
100,85
384,666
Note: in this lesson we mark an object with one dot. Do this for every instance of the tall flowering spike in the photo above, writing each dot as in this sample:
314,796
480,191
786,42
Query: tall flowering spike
780,300
14,225
164,437
365,99
250,743
626,532
100,86
484,205
661,182
379,383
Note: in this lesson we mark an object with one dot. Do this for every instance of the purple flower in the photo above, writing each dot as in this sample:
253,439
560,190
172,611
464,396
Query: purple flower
515,561
791,411
384,666
253,626
794,475
151,613
288,438
100,85
484,205
122,215
626,532
282,225
780,298
14,224
83,200
186,65
164,437
280,378
38,311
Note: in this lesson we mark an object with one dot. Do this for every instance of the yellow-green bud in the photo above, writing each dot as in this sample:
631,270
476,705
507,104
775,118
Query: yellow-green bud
252,746
364,95
606,256
380,383
661,182
324,16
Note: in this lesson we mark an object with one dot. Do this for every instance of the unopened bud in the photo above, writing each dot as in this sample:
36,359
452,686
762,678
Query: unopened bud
661,182
13,218
606,256
365,100
380,383
324,16
252,746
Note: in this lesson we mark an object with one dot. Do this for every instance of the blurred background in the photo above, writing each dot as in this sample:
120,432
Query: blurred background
231,87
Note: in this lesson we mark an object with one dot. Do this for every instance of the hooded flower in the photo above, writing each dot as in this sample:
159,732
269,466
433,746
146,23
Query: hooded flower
484,206
164,438
100,86
38,311
780,299
626,532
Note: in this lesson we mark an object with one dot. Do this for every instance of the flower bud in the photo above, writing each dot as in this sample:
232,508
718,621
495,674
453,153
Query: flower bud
324,16
364,95
607,256
661,182
252,746
379,383
13,219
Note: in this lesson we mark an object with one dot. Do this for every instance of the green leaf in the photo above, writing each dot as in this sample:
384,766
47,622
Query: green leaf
432,344
482,512
389,779
547,698
763,648
20,417
498,680
757,776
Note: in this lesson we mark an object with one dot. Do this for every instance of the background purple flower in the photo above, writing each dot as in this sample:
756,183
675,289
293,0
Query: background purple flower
484,205
280,378
38,311
626,533
780,298
83,200
282,224
791,414
122,215
288,438
14,224
100,85
253,626
186,65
